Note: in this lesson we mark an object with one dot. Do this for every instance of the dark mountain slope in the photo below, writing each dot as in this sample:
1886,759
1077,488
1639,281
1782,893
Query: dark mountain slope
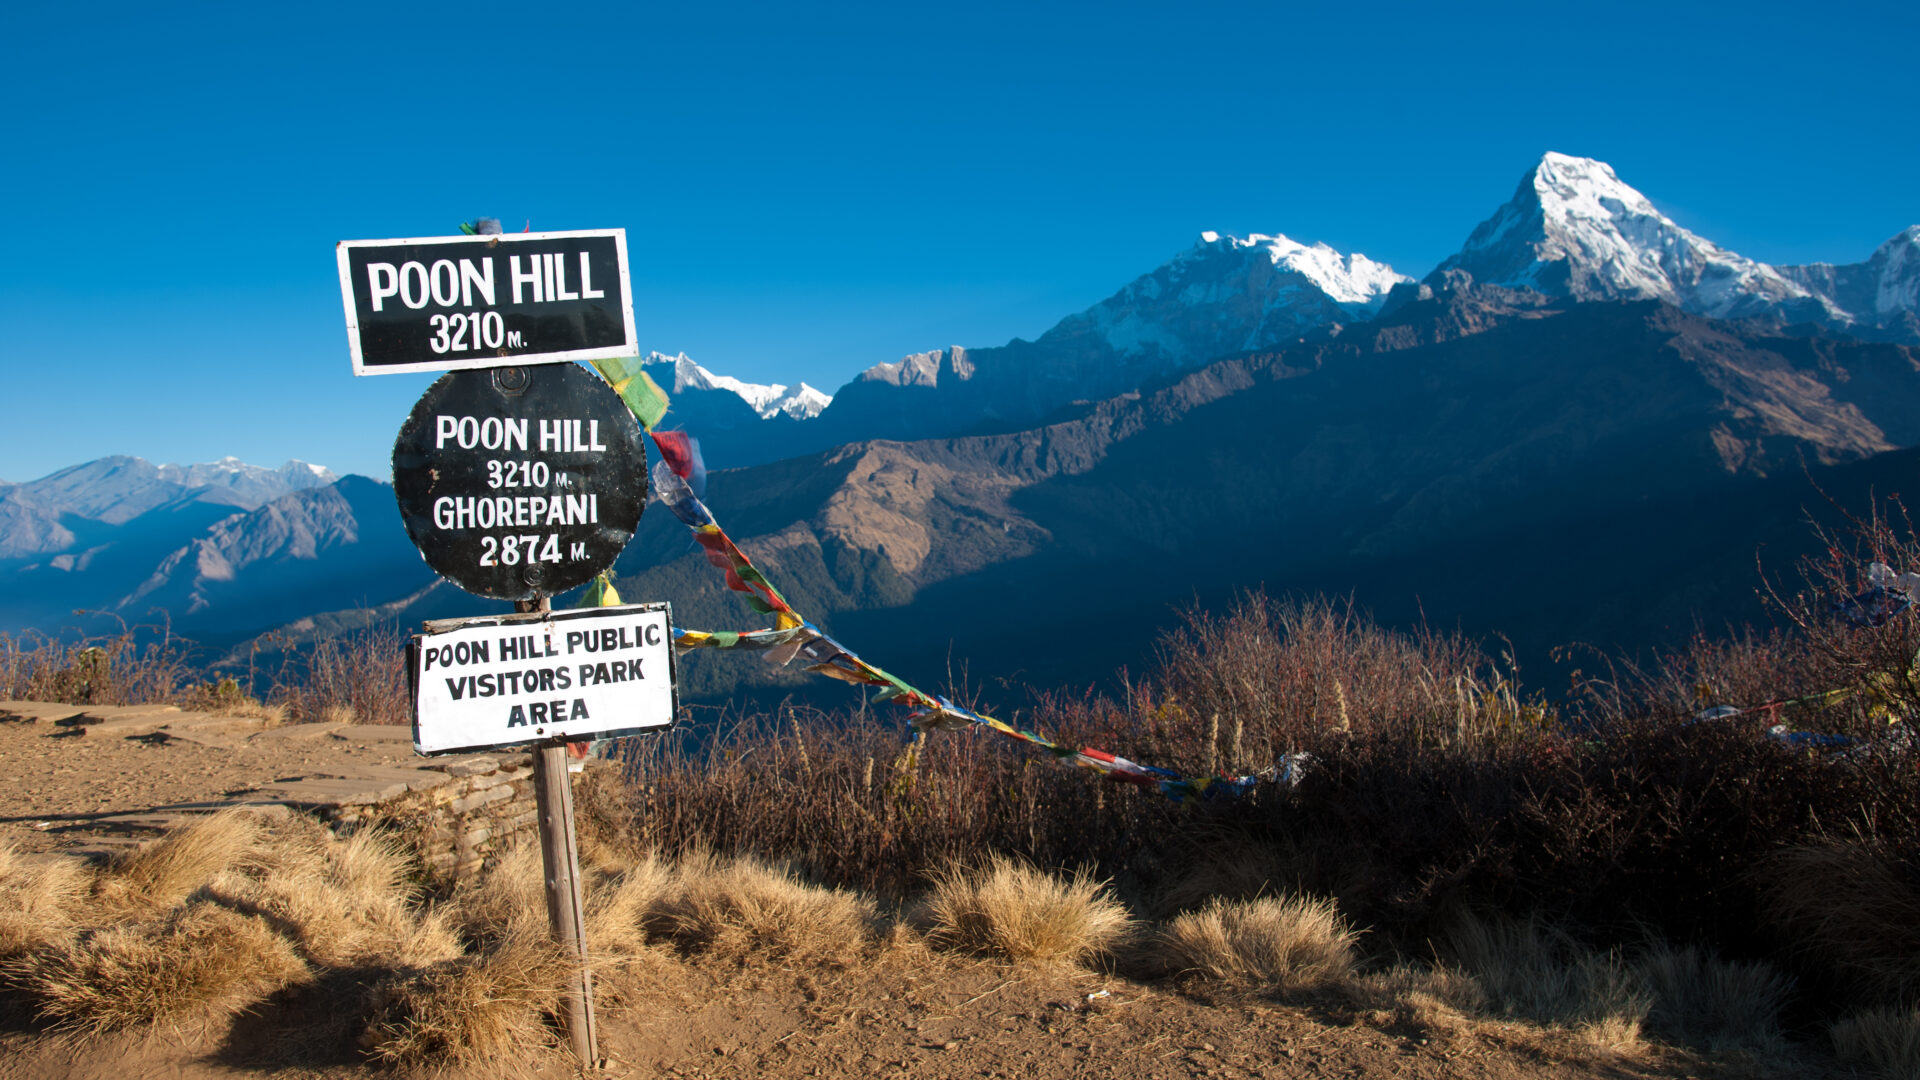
1343,464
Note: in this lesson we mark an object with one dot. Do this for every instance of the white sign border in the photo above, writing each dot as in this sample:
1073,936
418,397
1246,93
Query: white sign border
607,353
534,618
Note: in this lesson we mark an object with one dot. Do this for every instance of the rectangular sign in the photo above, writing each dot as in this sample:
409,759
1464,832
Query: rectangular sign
514,680
445,303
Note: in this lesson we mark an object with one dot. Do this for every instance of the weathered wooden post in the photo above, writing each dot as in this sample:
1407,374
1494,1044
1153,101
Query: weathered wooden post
560,864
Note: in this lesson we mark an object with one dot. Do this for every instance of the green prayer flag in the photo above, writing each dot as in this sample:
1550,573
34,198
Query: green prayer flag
629,379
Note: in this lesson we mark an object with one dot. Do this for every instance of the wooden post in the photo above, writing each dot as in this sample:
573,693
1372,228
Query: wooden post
566,909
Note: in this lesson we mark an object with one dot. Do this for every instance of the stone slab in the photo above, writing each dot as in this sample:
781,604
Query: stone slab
375,733
336,792
416,779
38,712
120,726
295,732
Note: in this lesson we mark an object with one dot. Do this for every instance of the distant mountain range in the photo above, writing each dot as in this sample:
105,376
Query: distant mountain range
1581,426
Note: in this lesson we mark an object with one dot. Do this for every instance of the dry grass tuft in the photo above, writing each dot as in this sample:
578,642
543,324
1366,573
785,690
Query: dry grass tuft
1855,907
339,714
38,898
1439,999
1011,909
1886,1041
742,906
1533,973
202,960
161,874
478,1008
1713,1004
620,904
507,901
1279,944
346,902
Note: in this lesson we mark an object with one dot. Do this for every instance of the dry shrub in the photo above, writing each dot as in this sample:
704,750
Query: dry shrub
158,875
39,898
1713,1004
742,906
1276,943
1886,1041
358,677
201,961
476,1008
138,665
1011,909
1853,907
1531,972
1270,676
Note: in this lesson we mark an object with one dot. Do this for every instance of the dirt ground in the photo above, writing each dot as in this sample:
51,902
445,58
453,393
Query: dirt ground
64,779
906,1011
914,1014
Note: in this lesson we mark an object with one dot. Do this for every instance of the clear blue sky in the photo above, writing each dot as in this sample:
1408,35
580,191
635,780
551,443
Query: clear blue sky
808,192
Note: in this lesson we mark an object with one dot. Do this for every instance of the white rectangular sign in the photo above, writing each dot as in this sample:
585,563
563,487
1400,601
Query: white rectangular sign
450,303
514,680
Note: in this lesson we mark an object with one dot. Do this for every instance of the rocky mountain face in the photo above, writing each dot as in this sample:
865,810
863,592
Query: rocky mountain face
303,552
235,549
1423,456
49,515
1879,297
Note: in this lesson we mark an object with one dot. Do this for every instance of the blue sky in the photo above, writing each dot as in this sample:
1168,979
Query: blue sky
808,191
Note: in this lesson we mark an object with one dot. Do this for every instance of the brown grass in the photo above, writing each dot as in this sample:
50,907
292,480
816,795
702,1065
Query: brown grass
1278,944
507,901
1534,973
161,874
1713,1004
39,898
741,906
201,961
345,903
620,904
1887,1041
1854,908
1011,909
477,1008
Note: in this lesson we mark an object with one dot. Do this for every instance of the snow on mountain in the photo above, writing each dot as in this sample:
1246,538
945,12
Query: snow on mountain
1576,229
1877,292
801,402
1232,294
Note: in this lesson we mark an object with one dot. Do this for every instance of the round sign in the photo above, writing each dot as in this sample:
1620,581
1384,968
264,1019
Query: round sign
520,482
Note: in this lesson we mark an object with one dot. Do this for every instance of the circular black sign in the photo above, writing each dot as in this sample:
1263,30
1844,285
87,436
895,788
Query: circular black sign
519,482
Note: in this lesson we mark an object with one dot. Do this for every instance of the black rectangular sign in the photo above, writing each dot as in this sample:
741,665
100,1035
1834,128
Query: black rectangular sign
445,303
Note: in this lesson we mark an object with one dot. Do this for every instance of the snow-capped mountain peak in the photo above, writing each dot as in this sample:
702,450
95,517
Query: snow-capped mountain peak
801,402
1574,228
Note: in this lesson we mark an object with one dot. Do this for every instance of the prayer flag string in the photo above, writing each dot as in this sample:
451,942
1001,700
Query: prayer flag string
792,637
